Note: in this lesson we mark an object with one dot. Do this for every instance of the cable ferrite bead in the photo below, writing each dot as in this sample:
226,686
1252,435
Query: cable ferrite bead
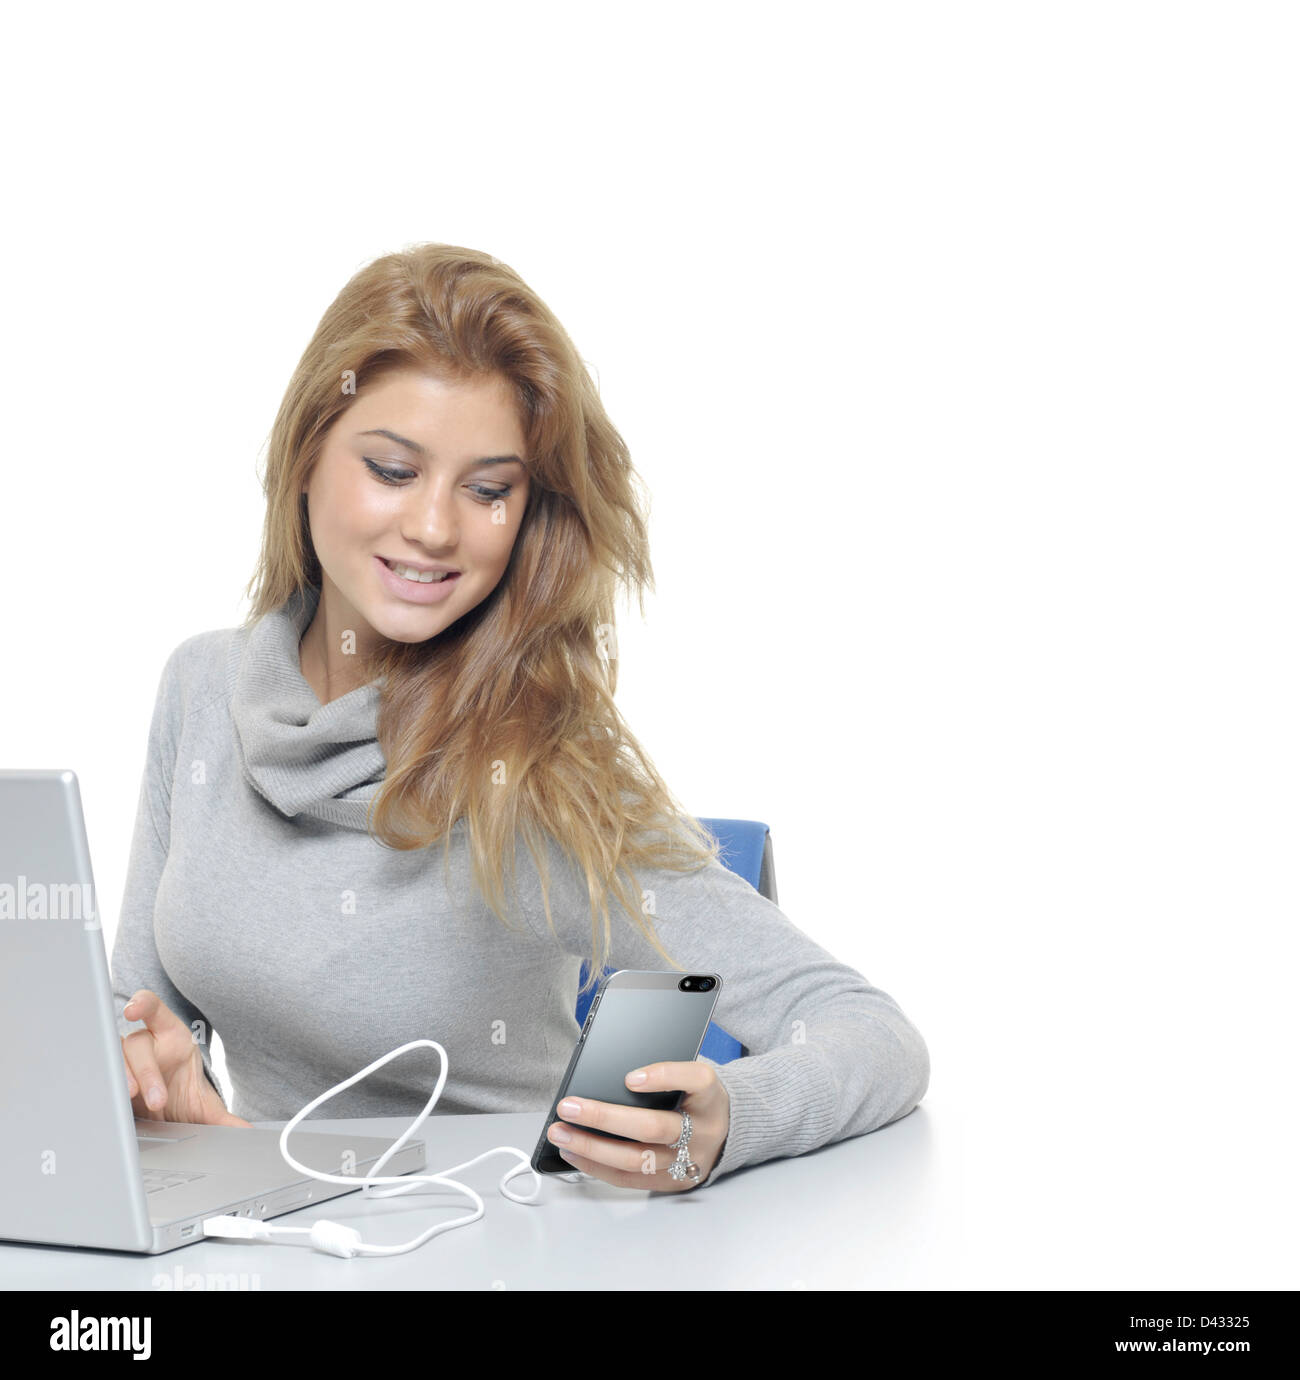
335,1239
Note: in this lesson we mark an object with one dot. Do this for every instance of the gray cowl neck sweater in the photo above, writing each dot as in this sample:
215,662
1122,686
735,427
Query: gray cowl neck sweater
302,756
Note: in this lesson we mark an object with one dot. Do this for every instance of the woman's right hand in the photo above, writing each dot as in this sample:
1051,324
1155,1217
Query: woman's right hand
164,1068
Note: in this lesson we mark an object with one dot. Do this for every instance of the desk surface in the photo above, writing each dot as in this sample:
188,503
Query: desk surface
988,1196
855,1215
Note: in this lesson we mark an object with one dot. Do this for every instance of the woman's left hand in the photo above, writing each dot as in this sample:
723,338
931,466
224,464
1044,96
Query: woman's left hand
644,1164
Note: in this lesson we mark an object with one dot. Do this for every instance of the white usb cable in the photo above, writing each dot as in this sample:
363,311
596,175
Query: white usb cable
336,1239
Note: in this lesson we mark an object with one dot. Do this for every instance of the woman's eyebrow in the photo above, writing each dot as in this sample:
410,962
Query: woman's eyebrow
420,450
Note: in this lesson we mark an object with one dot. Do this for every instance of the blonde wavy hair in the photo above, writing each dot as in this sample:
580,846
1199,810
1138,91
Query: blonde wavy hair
524,680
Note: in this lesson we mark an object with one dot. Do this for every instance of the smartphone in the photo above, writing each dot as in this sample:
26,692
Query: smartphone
636,1018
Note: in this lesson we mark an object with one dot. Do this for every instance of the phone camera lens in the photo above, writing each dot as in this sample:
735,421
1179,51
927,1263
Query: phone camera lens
706,984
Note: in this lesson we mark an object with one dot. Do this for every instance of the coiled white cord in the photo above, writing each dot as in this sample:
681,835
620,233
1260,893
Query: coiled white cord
336,1239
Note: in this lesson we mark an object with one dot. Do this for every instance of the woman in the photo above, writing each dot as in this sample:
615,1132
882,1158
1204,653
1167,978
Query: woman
449,515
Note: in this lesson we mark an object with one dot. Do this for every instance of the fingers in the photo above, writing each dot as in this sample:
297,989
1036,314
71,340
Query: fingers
644,1123
144,1073
691,1076
160,1019
140,1052
192,1096
643,1159
636,1123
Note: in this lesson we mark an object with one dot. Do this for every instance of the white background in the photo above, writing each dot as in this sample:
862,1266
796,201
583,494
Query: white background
957,347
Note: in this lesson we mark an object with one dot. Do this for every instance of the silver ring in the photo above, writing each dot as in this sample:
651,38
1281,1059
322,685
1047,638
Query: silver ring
683,1165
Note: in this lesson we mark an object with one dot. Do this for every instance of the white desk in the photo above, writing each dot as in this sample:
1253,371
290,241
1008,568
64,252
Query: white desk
860,1214
991,1197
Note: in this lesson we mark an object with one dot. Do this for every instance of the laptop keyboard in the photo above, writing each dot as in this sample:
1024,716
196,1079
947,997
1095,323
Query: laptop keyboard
156,1180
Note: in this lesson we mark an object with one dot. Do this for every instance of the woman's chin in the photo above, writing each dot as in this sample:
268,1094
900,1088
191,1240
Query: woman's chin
410,622
416,626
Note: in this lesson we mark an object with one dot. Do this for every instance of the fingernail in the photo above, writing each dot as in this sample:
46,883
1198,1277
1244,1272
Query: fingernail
570,1108
636,1078
156,1096
560,1134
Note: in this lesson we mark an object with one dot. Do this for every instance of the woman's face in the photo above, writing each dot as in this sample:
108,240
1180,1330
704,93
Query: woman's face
422,475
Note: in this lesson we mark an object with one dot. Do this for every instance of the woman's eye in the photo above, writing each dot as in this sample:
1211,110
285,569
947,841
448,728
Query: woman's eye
385,475
483,492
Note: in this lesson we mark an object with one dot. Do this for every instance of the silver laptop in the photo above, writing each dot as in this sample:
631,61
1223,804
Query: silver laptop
76,1167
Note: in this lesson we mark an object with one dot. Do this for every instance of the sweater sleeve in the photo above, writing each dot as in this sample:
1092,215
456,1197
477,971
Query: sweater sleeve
828,1055
135,962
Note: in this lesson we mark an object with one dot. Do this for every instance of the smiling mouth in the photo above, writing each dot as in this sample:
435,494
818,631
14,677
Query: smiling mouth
421,577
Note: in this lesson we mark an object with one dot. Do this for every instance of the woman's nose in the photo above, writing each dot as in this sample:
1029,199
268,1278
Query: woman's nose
431,520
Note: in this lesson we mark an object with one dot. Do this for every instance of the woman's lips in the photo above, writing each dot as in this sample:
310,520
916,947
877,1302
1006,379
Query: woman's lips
413,591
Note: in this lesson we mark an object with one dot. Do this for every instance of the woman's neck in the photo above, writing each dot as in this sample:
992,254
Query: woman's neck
329,679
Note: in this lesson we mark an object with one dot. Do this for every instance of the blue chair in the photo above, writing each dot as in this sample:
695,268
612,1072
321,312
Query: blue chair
746,848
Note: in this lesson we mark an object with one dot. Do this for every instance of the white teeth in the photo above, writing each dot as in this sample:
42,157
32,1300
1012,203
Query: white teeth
426,577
